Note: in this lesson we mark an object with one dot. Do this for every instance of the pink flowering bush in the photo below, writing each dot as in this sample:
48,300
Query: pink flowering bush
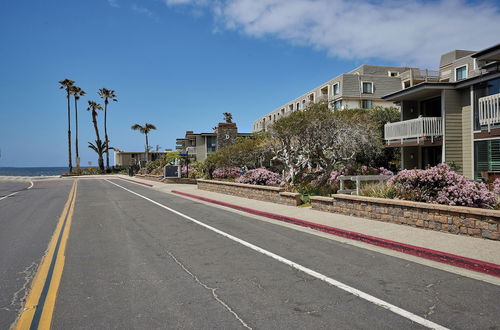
260,176
230,173
441,185
496,186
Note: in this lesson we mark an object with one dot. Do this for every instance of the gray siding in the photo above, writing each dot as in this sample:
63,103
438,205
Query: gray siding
468,167
453,127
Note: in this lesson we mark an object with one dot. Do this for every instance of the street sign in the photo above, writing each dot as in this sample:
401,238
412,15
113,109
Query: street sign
172,171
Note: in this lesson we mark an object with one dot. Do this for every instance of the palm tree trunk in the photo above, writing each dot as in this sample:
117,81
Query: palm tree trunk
76,135
98,141
70,164
106,133
147,148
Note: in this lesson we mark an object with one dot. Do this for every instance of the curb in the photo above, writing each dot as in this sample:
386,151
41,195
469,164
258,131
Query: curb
434,255
146,184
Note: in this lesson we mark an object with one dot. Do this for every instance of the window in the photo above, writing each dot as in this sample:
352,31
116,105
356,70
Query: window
367,87
211,144
336,89
393,74
337,105
461,73
366,104
290,107
486,156
297,106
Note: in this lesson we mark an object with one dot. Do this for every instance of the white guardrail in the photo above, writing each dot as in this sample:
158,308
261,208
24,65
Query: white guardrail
414,128
489,110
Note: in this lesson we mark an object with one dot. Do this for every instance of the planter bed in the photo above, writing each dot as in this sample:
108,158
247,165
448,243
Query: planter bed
452,219
261,193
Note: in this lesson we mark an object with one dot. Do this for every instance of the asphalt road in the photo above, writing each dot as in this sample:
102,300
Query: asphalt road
134,264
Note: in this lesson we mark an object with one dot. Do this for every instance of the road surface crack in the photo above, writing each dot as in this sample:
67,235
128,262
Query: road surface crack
213,291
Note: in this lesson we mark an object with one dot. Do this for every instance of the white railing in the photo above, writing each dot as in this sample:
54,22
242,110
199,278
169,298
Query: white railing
414,128
489,110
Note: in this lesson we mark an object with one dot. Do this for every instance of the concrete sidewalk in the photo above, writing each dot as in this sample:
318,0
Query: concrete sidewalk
475,248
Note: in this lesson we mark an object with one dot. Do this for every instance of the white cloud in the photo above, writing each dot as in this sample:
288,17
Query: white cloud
413,32
113,3
142,10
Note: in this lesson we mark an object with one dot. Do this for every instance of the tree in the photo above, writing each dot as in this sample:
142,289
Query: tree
77,92
248,152
144,130
67,84
99,146
106,95
317,141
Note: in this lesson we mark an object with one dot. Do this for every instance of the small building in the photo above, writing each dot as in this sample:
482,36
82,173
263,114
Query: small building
129,158
199,145
455,119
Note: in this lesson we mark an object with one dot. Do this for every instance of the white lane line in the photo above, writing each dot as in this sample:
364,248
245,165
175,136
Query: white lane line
9,195
374,300
31,186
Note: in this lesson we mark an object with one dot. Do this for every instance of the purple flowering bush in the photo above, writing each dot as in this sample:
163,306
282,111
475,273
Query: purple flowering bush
496,186
441,185
229,173
260,176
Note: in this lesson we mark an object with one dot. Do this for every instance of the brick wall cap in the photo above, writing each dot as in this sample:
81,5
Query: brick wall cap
291,194
420,205
243,185
321,198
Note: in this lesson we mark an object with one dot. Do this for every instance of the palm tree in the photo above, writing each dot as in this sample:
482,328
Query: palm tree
106,95
67,84
77,92
144,130
99,147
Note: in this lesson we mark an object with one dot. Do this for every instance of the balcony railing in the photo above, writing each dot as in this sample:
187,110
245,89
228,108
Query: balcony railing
417,128
489,110
191,150
420,75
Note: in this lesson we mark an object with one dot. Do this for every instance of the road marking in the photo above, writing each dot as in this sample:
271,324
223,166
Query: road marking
40,302
374,300
31,185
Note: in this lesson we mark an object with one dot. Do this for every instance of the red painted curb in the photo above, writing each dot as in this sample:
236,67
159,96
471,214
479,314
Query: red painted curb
435,255
146,184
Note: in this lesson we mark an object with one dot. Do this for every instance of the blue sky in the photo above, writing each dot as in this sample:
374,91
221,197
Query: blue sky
181,63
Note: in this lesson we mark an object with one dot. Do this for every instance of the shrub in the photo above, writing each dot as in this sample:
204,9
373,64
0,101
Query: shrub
379,190
230,173
260,176
496,186
441,185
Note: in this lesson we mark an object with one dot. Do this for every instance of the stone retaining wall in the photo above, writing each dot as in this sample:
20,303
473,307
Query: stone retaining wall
452,219
261,193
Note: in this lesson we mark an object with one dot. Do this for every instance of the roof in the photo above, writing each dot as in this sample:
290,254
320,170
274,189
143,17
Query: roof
491,53
427,89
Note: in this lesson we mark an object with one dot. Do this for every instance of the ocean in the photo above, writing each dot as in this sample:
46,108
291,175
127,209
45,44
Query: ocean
32,171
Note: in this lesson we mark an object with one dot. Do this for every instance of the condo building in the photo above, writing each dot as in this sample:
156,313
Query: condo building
198,146
454,119
363,87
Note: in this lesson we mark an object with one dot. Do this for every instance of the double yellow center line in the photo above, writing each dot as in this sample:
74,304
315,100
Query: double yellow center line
39,306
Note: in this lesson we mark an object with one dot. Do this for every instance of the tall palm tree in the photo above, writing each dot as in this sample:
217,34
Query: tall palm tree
67,85
144,130
77,92
106,95
99,147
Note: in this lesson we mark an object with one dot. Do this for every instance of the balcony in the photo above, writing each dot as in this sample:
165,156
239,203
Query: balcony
489,110
420,129
415,76
191,151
